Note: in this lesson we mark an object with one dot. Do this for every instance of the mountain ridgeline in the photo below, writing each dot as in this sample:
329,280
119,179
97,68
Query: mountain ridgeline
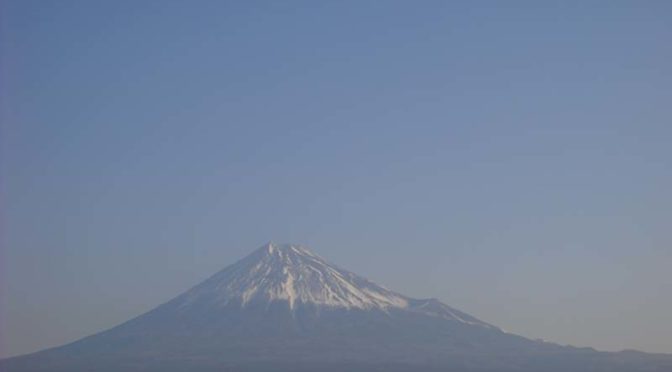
283,308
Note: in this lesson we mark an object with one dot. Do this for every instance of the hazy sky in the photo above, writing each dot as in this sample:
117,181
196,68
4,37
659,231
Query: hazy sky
513,159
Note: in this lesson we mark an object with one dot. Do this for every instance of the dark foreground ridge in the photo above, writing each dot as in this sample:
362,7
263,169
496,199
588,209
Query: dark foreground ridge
283,308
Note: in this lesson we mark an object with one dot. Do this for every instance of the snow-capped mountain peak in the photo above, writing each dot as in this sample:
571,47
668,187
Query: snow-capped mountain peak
294,274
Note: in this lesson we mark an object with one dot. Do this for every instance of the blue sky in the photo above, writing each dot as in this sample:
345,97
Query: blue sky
512,159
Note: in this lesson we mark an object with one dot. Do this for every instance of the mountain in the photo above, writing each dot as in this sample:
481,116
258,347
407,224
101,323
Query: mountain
283,308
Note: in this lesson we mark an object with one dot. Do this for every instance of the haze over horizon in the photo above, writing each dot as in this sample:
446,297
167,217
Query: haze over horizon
512,160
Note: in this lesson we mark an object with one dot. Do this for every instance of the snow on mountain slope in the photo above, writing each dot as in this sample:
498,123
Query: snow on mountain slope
294,274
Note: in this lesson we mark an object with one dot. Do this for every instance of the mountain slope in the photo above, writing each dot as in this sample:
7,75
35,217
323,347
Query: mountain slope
283,308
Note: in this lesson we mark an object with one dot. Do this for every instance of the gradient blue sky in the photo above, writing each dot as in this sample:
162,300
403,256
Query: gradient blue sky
513,159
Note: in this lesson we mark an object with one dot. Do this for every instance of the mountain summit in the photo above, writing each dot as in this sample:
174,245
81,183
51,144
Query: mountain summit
295,275
284,308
